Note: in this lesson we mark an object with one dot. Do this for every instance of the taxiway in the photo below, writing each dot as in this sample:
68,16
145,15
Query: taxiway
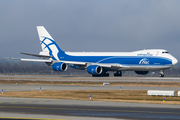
79,109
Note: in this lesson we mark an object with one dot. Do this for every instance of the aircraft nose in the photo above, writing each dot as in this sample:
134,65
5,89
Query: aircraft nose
174,61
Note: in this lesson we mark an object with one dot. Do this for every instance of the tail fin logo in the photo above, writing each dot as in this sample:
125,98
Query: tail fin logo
49,45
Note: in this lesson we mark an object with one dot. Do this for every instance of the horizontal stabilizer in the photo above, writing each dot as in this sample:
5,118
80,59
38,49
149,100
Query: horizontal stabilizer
35,55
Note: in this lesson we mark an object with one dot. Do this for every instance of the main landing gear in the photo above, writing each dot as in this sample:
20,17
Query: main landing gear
161,73
118,74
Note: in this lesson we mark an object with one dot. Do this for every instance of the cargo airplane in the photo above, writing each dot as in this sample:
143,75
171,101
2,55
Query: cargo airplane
99,63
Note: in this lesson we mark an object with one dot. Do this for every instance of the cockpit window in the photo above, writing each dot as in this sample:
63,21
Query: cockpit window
165,52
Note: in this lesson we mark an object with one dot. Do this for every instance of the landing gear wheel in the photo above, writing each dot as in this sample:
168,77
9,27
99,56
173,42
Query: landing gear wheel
105,74
118,74
161,73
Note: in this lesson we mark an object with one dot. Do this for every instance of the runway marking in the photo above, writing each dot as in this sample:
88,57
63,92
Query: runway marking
89,109
17,118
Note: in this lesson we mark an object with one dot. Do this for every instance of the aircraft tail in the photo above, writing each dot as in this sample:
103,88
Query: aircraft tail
49,46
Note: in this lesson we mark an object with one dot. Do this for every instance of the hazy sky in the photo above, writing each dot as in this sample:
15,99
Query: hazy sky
90,25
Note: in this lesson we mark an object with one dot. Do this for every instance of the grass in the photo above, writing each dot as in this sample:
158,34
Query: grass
54,81
137,96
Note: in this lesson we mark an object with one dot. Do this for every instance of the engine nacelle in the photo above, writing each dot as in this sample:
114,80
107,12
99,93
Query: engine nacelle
59,66
142,72
94,69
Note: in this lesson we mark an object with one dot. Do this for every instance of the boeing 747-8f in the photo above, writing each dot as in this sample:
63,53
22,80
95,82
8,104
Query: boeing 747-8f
99,63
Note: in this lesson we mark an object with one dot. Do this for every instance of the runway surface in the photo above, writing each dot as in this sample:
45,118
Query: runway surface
78,109
97,79
7,87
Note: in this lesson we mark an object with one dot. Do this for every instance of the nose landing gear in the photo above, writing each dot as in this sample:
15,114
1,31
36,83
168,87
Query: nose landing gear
161,73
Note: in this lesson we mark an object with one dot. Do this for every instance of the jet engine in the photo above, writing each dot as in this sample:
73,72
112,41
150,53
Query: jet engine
59,66
142,72
94,69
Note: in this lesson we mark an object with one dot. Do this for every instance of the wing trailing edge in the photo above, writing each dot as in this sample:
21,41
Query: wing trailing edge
35,60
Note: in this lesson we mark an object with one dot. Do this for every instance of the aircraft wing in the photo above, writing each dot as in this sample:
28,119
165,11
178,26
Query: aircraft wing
67,62
44,60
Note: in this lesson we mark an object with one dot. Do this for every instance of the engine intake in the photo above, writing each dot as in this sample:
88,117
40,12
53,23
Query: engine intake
59,66
142,72
94,69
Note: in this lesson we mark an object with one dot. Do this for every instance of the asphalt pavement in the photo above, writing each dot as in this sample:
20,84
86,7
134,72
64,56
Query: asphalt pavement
79,109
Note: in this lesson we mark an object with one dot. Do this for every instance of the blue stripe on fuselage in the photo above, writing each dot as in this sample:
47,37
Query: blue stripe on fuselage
132,60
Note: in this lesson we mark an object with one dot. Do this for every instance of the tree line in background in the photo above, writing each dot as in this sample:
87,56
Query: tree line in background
12,67
27,68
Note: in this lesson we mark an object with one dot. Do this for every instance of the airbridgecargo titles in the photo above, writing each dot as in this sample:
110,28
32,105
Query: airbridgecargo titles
99,63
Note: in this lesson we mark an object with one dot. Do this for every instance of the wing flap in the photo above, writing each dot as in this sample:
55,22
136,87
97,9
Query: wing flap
35,60
116,65
74,63
87,64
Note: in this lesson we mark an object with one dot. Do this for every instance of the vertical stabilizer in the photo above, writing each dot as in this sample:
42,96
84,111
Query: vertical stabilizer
42,32
47,43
